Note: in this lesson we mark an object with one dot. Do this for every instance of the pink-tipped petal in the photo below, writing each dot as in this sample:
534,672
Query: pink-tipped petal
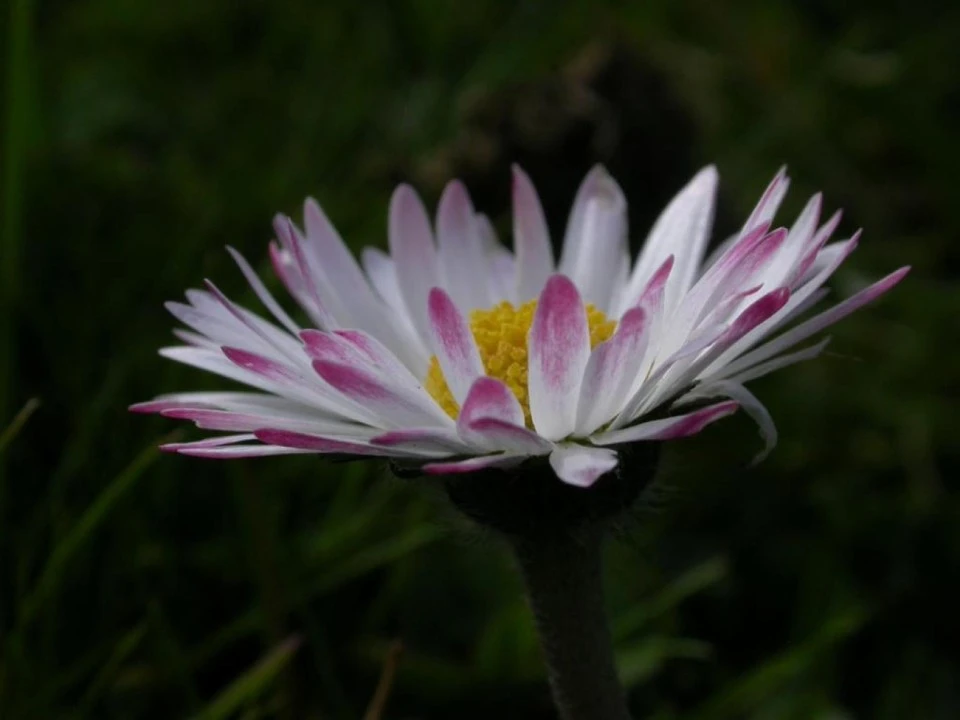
390,405
317,444
682,230
494,434
378,354
490,398
271,337
747,402
321,345
531,239
491,419
423,440
151,407
668,428
453,344
266,297
610,372
813,247
347,282
558,348
651,298
227,447
265,367
817,323
780,270
474,464
582,466
306,280
769,202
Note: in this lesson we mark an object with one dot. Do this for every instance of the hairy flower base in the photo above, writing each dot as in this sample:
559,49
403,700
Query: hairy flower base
501,336
527,501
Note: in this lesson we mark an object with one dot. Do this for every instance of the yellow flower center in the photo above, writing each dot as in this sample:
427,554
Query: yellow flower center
501,337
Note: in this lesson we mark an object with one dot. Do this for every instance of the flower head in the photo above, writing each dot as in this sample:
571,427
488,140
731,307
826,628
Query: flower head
456,354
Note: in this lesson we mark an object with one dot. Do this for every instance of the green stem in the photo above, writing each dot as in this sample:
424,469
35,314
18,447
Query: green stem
564,583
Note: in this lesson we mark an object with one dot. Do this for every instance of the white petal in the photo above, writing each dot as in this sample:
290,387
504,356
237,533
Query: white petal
531,239
462,258
601,248
261,290
414,255
670,428
682,230
611,370
750,405
473,464
558,348
491,419
453,344
582,466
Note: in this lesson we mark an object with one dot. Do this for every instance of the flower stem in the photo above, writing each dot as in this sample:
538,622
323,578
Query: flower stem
564,583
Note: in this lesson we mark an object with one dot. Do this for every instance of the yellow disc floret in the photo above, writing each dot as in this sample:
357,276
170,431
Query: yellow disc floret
501,337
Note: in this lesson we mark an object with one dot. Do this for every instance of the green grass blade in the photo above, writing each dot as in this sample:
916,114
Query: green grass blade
251,684
367,560
693,581
16,425
742,696
15,123
81,532
124,648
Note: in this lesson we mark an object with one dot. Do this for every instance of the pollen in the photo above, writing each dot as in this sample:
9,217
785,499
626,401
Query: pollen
501,337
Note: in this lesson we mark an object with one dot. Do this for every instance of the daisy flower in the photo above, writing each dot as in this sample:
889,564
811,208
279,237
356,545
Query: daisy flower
453,353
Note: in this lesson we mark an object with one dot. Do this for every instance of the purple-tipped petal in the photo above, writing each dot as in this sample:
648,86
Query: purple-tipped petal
582,466
668,428
453,344
558,347
531,238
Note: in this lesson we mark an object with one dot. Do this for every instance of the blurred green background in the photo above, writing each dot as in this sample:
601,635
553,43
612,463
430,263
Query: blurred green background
140,138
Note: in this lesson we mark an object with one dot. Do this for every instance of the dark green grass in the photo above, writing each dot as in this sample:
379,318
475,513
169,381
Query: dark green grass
139,139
